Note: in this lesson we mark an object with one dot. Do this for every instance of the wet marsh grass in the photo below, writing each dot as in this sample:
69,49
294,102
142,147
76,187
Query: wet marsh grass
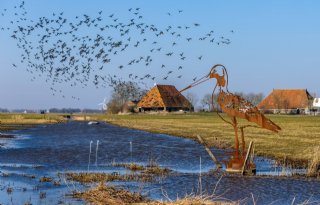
101,177
103,194
106,194
152,168
130,166
314,165
139,173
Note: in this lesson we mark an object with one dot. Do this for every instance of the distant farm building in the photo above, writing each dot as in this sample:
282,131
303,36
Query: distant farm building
130,106
316,106
296,101
164,98
316,103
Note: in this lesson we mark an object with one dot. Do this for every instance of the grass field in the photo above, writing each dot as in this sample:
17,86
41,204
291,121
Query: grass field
299,137
16,121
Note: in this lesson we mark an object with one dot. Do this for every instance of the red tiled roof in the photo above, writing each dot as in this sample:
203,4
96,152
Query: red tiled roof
286,99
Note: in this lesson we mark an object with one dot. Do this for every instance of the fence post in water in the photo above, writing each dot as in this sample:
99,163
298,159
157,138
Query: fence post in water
200,182
209,152
89,155
131,151
97,153
249,154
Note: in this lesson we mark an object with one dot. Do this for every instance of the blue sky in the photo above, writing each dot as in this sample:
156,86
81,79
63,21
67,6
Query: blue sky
275,45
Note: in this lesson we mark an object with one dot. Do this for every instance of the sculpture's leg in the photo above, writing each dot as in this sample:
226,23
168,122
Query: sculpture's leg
243,142
236,146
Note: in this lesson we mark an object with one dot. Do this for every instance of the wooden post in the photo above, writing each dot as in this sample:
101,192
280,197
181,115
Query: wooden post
247,157
209,152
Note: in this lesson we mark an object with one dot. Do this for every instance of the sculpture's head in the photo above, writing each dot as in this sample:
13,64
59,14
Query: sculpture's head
219,72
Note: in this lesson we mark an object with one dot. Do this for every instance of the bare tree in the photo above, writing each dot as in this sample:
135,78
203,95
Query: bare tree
122,93
253,98
206,102
192,98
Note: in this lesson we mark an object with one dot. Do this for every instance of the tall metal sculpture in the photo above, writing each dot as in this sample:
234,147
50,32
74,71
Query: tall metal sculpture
235,107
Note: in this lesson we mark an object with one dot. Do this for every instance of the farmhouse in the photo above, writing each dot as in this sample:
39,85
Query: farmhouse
164,98
295,101
130,106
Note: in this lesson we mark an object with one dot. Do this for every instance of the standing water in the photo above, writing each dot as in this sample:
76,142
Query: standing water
45,151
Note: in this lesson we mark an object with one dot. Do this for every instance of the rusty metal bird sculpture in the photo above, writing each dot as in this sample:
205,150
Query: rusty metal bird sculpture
235,107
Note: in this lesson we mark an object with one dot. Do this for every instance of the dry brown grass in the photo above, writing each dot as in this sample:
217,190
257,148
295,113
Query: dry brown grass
130,166
46,179
146,174
103,177
153,168
314,165
103,194
110,195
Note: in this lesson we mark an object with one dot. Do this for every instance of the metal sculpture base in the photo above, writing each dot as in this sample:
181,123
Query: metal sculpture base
236,166
242,164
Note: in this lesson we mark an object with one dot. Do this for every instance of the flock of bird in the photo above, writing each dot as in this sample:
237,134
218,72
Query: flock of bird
93,49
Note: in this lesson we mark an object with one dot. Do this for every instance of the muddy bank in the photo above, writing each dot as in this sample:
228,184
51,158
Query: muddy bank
8,127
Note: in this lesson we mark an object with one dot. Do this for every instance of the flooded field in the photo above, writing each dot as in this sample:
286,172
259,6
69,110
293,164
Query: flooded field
31,162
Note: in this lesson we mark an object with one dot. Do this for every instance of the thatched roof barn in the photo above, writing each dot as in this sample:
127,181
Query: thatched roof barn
164,98
287,101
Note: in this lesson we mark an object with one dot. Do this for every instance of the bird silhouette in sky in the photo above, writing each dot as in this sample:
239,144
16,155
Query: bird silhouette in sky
56,48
